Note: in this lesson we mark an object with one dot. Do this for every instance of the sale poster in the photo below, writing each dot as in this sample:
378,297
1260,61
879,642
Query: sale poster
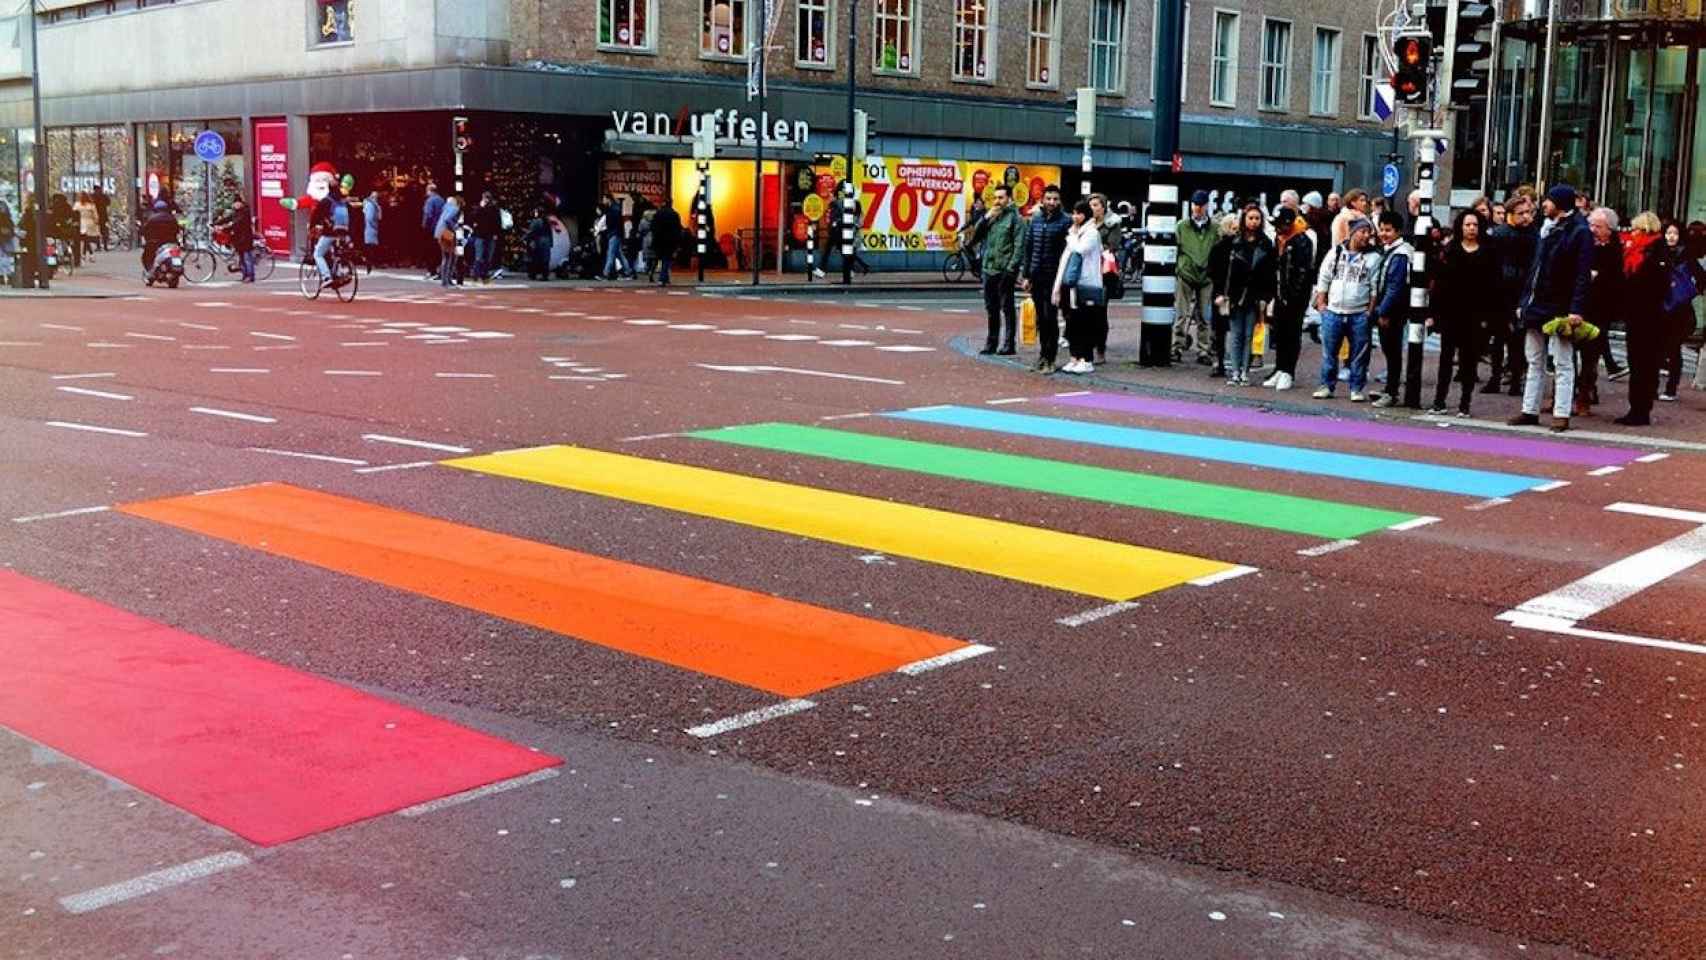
913,204
627,177
1025,180
272,183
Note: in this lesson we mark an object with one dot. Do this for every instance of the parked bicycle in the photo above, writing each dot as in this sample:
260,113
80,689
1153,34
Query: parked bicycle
958,264
341,259
201,261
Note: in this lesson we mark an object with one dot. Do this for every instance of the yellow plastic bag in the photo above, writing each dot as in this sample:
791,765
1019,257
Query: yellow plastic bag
1028,322
1259,341
1345,350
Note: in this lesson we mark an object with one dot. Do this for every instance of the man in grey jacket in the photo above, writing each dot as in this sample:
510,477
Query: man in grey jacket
1344,292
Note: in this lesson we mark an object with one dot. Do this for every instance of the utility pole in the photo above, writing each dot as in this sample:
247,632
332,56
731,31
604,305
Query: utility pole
39,252
848,228
1160,245
758,163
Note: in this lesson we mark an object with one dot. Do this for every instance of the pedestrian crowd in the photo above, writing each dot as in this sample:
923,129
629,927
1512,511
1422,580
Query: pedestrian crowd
1529,288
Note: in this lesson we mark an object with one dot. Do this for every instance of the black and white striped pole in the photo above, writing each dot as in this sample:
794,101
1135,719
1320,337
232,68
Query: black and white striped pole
704,149
811,251
1161,215
1416,331
848,229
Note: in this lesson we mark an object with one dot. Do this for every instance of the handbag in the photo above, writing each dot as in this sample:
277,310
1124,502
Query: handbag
1682,288
1089,296
1112,281
1074,270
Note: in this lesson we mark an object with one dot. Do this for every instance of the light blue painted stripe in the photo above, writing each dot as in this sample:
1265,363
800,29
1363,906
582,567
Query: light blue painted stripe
1397,473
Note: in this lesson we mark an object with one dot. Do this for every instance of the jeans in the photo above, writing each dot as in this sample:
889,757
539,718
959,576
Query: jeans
1187,319
998,305
1286,327
1535,346
1335,327
485,250
1240,334
246,261
322,247
613,259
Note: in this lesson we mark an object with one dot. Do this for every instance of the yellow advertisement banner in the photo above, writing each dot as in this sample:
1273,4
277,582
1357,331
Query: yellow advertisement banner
916,204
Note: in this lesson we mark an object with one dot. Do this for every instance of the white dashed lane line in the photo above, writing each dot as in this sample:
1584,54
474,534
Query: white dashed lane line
352,373
308,456
407,442
233,415
83,376
90,428
102,394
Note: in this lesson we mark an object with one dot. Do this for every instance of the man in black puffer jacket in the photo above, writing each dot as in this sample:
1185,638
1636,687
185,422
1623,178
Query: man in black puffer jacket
1515,242
1040,250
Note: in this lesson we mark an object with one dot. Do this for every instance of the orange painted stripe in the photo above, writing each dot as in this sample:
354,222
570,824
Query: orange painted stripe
782,646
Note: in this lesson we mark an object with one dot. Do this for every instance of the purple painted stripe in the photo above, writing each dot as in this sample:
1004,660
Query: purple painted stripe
1367,430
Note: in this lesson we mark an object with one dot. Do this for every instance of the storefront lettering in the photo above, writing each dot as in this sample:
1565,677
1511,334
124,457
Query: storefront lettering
727,124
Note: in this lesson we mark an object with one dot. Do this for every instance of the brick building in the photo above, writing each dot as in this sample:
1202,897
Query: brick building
565,98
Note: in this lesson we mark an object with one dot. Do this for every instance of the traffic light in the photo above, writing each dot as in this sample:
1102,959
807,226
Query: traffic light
1469,53
1084,113
1414,52
460,139
861,133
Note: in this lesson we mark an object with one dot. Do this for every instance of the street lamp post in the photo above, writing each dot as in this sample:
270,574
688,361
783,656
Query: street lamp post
40,151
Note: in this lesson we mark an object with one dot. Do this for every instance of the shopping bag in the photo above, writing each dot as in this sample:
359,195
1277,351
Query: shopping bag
1259,341
1028,321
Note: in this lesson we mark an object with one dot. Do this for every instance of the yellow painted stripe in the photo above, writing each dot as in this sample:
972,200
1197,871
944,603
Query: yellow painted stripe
1062,561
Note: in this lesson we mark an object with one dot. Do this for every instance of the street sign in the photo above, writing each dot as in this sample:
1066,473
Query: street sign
209,146
1389,179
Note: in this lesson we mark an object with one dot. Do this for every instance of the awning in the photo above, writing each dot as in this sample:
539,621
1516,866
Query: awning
644,146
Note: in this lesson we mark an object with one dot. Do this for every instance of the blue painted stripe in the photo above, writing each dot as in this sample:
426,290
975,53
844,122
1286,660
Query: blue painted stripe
1397,473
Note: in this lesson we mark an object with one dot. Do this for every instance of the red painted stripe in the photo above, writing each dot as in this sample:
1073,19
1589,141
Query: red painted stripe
269,753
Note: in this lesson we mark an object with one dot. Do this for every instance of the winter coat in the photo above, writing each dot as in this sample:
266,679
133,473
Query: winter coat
488,221
1000,236
1294,275
1041,245
1515,247
1087,244
1391,293
1465,290
432,209
449,218
371,214
666,232
1195,245
1607,288
1347,279
1245,270
1558,281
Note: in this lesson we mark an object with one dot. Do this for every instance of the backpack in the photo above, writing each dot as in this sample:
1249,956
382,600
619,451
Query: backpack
1682,290
340,215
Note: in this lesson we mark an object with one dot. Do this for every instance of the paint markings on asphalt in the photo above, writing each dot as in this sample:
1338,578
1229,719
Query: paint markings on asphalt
97,345
233,415
1652,458
94,429
692,326
1548,487
407,442
1488,503
643,322
1074,393
649,436
222,303
59,514
352,373
488,335
729,368
307,456
907,348
238,370
197,326
847,343
1004,400
282,346
455,799
465,376
60,326
154,882
854,326
939,661
1413,523
1100,613
750,718
790,337
1663,513
102,394
1231,573
366,343
1605,471
151,336
741,332
412,465
576,377
1326,548
271,336
845,416
1600,437
905,330
1612,584
83,376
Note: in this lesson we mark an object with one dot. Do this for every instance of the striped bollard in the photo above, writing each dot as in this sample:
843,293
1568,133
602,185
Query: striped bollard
1160,254
701,204
848,229
1415,331
811,251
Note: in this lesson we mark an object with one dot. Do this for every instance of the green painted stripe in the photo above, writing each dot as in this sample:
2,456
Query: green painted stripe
1256,508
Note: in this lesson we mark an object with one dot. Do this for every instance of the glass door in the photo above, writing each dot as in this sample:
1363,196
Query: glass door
1631,106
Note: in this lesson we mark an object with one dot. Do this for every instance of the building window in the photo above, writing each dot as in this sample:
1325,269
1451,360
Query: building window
722,29
1370,75
625,24
973,40
893,49
334,21
1324,74
1045,44
1223,80
1184,51
1276,65
813,46
1107,45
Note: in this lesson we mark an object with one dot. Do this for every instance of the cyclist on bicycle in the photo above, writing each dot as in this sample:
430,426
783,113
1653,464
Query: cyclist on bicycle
242,228
330,222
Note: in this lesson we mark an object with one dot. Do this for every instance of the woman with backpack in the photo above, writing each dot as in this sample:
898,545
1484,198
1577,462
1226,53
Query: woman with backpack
1686,279
1244,278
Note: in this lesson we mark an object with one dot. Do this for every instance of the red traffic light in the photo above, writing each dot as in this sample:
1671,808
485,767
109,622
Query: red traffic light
1414,54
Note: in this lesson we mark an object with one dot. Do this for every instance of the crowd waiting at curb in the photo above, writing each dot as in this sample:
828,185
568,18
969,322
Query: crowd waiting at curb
1531,287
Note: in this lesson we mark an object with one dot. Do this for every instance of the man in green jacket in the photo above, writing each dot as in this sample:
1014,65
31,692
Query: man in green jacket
1196,236
999,234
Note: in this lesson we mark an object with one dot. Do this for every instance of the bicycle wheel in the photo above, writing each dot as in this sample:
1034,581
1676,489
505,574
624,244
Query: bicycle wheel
954,268
264,263
199,265
309,280
344,281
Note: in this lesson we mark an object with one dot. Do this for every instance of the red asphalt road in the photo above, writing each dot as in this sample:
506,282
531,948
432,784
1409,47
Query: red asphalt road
1356,723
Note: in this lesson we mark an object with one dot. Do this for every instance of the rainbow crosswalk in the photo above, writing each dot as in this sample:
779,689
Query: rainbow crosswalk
794,649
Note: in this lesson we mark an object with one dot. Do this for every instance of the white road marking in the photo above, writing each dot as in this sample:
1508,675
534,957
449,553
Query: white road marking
238,370
806,323
83,376
466,376
489,335
282,346
1649,458
60,326
443,340
103,345
400,324
854,326
93,429
104,395
905,330
750,718
1569,629
151,336
917,667
366,343
352,373
1006,400
1074,393
423,444
1413,523
1605,471
1613,584
270,336
31,343
448,329
907,348
844,416
397,466
431,806
583,379
1091,616
307,456
1663,513
198,326
790,337
645,323
649,436
152,882
1488,503
1554,485
233,415
222,303
1619,438
63,513
909,308
1230,573
847,343
808,373
1326,548
741,332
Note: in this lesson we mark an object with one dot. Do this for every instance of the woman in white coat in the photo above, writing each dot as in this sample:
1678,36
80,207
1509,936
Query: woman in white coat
1078,289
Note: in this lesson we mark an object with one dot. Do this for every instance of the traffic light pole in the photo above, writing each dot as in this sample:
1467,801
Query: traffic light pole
1160,244
1415,330
39,150
847,228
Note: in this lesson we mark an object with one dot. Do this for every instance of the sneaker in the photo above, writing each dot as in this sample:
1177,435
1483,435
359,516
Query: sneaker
1272,379
1524,420
1357,396
1232,381
1437,410
1006,351
819,274
1621,374
1046,368
1323,393
1668,397
1387,401
1086,366
1283,382
1462,414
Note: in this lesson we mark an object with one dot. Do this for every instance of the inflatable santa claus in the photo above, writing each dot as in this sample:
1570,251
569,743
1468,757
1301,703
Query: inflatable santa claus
320,179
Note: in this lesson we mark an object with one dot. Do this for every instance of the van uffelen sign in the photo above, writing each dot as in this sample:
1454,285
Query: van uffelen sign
729,125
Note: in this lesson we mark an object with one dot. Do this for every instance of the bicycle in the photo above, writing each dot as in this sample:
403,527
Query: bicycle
344,283
959,263
201,262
